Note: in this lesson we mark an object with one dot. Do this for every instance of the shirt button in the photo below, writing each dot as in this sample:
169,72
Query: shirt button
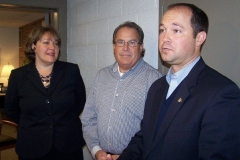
116,94
47,101
49,114
112,109
50,127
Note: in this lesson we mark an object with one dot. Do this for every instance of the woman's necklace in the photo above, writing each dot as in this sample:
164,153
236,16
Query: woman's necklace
45,79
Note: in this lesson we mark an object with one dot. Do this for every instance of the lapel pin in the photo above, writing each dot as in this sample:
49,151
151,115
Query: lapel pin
179,100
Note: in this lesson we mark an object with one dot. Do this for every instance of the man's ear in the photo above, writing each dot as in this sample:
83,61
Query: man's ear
142,47
200,38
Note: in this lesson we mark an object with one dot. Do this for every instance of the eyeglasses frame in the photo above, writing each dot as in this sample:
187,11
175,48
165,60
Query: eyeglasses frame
137,43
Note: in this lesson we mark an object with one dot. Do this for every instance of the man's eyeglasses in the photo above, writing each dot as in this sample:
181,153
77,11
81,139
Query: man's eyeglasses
131,43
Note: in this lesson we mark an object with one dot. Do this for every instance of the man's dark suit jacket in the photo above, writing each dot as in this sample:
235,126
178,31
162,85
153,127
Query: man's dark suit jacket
50,117
202,122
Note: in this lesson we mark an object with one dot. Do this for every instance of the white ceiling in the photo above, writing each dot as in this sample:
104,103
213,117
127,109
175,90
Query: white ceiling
16,19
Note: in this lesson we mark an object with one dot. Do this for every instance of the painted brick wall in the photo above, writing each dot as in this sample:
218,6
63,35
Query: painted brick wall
90,27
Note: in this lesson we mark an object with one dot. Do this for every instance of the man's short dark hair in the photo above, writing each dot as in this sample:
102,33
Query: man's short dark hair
199,19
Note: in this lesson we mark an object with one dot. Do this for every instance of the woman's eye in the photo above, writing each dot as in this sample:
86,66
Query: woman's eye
45,42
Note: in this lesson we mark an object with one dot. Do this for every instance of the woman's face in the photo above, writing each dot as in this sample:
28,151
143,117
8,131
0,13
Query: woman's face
46,50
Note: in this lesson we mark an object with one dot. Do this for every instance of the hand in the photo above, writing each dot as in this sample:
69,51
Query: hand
114,157
101,155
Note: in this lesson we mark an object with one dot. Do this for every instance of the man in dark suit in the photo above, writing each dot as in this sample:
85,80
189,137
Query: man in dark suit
193,112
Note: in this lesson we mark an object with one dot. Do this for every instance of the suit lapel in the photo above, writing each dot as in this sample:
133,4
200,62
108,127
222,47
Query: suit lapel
178,101
156,105
174,107
58,73
34,78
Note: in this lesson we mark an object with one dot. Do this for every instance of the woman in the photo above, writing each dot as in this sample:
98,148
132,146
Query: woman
45,99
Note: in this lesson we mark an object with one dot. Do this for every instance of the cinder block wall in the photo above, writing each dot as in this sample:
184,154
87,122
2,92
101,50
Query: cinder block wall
90,27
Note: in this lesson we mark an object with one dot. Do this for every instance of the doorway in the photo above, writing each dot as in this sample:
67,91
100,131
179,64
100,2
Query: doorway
15,16
12,20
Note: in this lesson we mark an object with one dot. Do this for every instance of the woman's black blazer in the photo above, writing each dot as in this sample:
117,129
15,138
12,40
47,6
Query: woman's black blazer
46,117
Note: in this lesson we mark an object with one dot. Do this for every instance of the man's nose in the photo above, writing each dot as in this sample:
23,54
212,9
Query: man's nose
125,46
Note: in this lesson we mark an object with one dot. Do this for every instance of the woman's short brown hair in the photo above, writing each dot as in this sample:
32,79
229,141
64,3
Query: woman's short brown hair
35,35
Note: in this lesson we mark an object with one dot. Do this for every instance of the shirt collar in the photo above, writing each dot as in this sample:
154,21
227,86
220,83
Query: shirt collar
115,66
182,73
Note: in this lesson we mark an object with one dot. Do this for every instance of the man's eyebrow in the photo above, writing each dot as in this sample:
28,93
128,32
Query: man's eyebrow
174,24
178,25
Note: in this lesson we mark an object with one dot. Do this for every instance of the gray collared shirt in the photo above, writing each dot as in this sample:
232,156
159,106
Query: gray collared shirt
179,75
115,105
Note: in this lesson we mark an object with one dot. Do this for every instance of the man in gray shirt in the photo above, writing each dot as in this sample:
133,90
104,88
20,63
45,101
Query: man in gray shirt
115,105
